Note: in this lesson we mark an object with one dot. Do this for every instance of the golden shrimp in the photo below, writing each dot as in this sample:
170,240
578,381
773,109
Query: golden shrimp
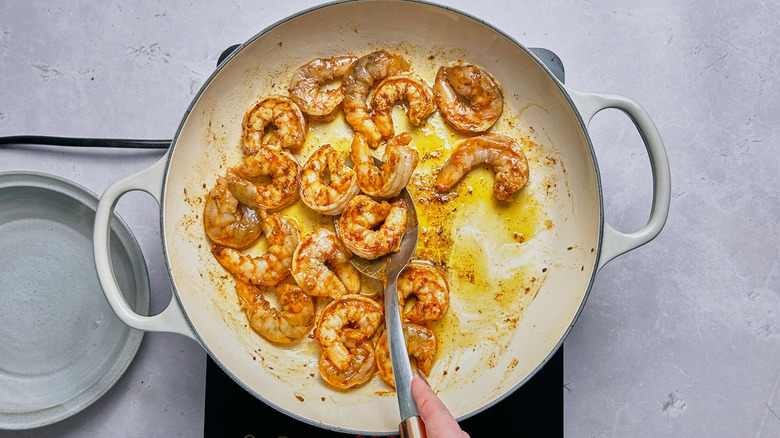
429,286
360,369
273,266
344,324
420,344
321,266
293,322
398,164
227,221
372,229
469,97
357,82
327,198
410,87
287,119
320,105
500,151
278,165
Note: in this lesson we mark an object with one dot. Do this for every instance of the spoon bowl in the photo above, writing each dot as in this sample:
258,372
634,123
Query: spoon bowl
382,267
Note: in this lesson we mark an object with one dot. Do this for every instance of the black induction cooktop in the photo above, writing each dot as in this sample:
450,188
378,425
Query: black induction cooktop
534,410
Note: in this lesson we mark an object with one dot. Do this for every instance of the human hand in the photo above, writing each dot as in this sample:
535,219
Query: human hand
439,422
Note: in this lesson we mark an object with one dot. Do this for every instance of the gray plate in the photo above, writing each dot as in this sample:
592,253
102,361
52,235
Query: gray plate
61,345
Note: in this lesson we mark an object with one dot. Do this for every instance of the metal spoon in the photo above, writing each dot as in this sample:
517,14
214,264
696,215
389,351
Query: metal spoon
387,268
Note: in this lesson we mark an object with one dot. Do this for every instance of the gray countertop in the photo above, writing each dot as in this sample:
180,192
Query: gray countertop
680,337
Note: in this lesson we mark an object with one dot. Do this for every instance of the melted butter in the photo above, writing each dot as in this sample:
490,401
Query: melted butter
475,239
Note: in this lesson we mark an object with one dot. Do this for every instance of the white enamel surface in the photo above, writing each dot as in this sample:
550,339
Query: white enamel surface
210,138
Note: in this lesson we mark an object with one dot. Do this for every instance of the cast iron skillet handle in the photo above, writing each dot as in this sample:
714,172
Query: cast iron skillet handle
171,319
614,242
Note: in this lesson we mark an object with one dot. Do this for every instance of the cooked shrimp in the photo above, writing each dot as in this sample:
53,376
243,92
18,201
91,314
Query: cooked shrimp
411,87
321,266
500,151
287,119
280,166
398,164
426,283
328,198
344,324
293,322
273,266
320,105
227,221
359,370
357,82
469,97
372,229
420,344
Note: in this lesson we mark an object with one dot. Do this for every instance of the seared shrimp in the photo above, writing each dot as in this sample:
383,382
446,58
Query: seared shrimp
500,151
398,164
426,283
287,119
293,322
420,344
320,105
359,370
273,266
344,324
371,229
227,221
328,198
357,82
469,97
407,86
321,266
283,170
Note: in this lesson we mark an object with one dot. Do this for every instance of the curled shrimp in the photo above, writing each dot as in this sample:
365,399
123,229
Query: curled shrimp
410,87
469,97
357,82
398,164
372,229
287,119
273,266
227,221
359,370
330,198
344,324
321,266
293,322
278,165
320,105
428,285
420,344
500,151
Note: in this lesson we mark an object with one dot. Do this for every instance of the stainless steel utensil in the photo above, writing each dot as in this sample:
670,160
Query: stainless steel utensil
387,269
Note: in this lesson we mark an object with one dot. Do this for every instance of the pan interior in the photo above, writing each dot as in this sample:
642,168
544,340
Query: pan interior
529,275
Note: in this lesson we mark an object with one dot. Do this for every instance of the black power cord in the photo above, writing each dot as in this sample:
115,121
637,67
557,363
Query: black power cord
85,142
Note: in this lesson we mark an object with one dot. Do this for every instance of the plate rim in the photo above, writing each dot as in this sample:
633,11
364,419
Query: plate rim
132,338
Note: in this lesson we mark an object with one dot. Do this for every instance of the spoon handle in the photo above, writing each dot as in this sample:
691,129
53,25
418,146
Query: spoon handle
402,370
412,427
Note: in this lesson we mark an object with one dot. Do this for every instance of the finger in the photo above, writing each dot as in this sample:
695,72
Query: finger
439,422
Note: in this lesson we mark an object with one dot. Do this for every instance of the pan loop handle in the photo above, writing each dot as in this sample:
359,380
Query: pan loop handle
614,242
171,319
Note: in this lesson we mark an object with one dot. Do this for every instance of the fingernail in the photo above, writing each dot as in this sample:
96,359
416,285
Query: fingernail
422,376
